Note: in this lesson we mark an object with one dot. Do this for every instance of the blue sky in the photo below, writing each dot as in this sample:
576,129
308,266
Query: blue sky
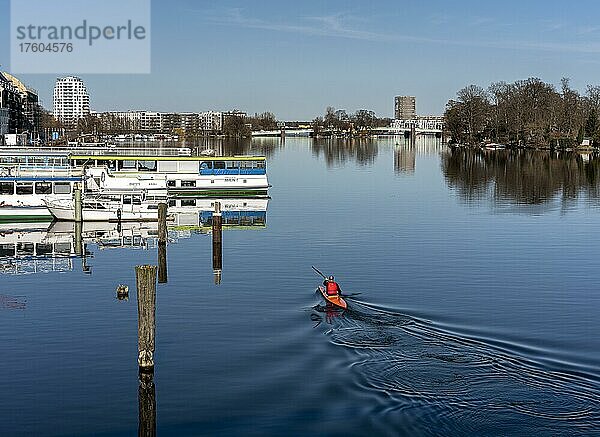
296,58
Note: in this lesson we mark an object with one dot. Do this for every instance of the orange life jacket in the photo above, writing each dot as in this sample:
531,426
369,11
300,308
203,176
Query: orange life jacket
332,288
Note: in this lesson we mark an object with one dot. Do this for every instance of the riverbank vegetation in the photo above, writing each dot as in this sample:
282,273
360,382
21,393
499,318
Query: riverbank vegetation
338,121
525,113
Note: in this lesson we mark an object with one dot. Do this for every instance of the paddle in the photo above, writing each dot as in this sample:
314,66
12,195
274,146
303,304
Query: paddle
319,272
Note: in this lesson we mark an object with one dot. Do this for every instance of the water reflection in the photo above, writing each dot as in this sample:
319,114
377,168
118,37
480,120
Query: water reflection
236,146
407,150
521,177
341,150
30,248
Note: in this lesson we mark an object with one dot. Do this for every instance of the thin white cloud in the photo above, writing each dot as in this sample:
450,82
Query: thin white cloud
336,26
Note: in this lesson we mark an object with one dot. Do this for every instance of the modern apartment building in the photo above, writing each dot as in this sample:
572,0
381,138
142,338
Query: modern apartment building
71,100
19,107
405,108
146,121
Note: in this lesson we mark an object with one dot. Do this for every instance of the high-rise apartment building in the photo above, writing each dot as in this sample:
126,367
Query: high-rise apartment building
405,108
71,100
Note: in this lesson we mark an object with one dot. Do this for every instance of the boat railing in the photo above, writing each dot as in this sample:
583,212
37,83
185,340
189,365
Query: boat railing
133,151
98,150
32,170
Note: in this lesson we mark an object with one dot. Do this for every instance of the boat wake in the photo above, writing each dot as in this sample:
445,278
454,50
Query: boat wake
429,379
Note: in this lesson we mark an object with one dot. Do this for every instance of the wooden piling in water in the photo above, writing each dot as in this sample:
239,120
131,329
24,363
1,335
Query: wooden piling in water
162,223
162,263
78,228
217,240
146,297
146,406
162,243
77,202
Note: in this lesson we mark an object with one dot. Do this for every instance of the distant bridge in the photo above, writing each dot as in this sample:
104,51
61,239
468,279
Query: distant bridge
374,131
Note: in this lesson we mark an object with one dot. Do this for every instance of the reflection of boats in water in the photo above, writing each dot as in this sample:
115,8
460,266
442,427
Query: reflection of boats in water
494,146
108,235
29,248
196,213
113,206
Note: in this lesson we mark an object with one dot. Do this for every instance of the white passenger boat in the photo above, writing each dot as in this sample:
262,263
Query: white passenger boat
27,177
185,175
22,198
113,206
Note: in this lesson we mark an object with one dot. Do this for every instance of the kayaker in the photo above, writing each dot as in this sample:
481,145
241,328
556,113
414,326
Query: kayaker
331,287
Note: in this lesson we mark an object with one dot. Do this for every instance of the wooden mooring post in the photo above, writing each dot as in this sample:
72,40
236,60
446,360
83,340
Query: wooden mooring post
162,243
146,296
146,406
77,201
217,242
78,228
162,223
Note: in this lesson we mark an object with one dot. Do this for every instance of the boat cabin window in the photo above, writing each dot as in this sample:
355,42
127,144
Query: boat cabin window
24,187
126,200
62,248
43,188
7,188
58,162
7,249
25,248
172,202
205,165
188,183
137,200
43,249
188,202
219,165
106,163
127,165
170,183
62,188
147,165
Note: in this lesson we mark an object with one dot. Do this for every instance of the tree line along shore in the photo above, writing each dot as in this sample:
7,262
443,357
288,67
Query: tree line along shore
526,113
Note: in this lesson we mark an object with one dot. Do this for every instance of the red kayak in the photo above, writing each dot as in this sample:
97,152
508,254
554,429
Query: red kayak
335,300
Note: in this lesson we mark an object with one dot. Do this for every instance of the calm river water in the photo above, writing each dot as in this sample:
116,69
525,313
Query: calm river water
474,307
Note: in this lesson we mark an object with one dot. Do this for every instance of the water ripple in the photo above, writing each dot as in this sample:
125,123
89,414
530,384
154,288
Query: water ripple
466,385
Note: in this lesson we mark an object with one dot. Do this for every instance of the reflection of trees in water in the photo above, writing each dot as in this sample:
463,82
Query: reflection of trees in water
522,176
237,146
340,150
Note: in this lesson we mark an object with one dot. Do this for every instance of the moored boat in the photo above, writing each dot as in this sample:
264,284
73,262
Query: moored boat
113,206
22,197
